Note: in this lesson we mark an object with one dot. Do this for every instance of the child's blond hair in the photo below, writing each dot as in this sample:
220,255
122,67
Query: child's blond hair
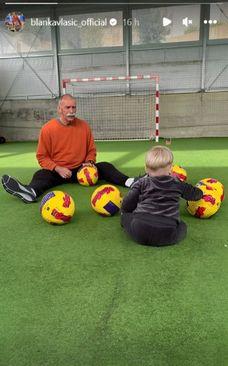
158,157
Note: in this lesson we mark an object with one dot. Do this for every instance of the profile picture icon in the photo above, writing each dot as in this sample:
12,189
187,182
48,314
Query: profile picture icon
15,21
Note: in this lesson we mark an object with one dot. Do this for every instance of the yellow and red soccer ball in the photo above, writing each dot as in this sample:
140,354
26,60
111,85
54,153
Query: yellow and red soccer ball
57,207
87,175
106,200
178,172
214,183
207,206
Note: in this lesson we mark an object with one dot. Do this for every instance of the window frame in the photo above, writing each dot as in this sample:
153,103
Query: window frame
88,50
35,53
167,45
215,41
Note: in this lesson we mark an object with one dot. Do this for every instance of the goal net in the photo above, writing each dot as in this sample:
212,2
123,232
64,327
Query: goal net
118,108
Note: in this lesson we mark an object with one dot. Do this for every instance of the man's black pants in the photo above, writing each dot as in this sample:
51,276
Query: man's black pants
153,230
45,179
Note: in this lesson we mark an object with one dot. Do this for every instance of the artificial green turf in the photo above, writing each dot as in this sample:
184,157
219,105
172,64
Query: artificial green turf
84,294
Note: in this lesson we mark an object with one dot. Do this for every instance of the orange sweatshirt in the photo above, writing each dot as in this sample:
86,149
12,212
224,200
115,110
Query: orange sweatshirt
66,146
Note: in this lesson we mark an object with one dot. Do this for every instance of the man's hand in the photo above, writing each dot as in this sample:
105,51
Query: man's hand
88,163
63,172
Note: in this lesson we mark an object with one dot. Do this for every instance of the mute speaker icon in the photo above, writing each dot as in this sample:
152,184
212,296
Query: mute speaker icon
186,21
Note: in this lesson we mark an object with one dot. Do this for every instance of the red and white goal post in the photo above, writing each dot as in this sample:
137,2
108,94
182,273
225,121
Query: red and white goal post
118,107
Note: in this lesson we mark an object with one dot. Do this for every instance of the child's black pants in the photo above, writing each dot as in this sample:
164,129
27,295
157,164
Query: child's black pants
153,230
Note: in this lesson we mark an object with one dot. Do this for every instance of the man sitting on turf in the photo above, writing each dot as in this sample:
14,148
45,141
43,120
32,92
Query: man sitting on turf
65,144
150,210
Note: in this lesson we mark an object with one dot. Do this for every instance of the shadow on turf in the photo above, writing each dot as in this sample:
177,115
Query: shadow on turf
192,144
17,148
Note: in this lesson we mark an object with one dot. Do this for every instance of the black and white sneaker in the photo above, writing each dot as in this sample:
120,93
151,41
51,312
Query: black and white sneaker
131,181
14,187
137,178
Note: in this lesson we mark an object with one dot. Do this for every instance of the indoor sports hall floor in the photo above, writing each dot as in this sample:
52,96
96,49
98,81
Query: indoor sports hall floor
84,294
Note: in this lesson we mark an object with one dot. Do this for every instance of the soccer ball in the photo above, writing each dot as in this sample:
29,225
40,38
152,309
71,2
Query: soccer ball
106,200
87,176
57,207
179,172
207,206
214,183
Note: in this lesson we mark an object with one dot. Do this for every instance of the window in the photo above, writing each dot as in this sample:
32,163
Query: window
219,17
148,27
91,30
33,38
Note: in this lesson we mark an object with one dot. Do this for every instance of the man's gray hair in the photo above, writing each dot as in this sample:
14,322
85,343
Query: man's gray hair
63,97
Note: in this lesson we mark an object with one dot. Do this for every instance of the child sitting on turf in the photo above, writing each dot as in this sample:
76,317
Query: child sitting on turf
150,210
